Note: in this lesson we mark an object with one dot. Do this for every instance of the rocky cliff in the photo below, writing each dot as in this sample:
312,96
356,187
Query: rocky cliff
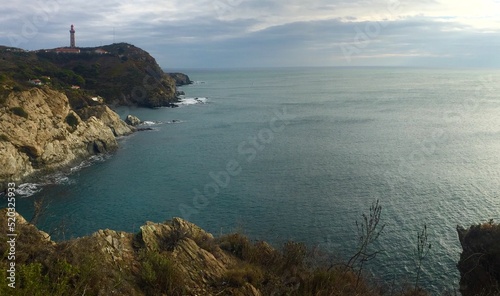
120,73
171,258
40,132
125,74
124,263
479,263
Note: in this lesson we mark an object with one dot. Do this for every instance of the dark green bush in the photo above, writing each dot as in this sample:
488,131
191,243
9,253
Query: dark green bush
19,111
34,279
246,273
4,138
72,120
236,244
294,254
159,275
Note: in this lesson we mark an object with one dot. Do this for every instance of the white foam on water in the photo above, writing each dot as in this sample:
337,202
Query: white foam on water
149,122
88,162
193,101
28,189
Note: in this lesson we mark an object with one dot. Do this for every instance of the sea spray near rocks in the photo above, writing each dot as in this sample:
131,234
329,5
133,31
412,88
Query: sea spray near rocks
46,140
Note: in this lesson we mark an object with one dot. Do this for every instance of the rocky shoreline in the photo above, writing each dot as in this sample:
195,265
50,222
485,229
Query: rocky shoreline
40,133
64,118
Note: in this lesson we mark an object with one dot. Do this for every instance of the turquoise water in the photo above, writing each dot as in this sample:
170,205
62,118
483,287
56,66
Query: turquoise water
303,152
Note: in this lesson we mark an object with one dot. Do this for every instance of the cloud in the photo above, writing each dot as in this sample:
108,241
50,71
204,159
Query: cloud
238,33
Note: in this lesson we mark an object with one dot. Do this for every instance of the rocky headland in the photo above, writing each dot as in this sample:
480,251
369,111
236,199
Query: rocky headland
40,132
54,107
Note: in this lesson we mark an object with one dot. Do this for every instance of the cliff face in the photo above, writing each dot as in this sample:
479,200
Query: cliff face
121,73
40,132
479,263
125,74
124,263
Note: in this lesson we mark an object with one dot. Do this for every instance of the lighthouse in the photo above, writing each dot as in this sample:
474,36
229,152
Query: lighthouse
72,37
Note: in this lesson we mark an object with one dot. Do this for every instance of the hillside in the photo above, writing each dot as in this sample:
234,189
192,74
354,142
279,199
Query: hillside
120,73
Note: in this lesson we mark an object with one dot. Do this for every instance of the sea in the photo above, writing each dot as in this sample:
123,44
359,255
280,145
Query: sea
301,154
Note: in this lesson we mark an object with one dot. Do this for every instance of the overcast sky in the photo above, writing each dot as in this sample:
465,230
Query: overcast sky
268,33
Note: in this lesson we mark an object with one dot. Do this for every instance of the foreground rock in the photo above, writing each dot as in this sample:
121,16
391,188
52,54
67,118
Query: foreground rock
40,132
479,263
125,258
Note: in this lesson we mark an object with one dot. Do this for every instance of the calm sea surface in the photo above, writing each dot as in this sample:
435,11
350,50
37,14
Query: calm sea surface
300,154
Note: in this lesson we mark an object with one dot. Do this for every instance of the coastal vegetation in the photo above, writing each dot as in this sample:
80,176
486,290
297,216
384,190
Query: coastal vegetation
125,74
179,258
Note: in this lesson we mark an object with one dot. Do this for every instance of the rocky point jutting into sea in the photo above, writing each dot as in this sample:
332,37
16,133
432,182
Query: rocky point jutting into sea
53,106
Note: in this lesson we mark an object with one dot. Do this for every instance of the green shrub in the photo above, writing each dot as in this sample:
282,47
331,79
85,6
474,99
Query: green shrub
4,138
36,280
19,111
237,244
159,275
72,120
32,279
294,254
246,273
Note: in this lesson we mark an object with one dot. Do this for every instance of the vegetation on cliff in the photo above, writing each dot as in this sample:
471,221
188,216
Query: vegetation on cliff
53,106
120,73
173,258
479,263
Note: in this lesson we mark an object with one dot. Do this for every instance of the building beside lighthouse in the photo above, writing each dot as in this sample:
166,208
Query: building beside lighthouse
72,43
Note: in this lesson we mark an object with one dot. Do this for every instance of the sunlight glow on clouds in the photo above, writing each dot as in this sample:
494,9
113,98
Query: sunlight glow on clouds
234,33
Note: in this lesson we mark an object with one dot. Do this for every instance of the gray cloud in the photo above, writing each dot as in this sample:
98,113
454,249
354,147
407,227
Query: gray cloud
263,33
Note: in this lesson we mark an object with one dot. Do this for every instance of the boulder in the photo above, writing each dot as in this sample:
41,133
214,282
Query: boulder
132,120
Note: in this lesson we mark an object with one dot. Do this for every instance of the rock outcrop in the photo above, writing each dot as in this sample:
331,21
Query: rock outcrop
39,131
180,79
479,263
132,120
199,262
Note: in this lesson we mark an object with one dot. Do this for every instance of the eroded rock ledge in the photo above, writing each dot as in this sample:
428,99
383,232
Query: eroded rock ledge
40,132
199,262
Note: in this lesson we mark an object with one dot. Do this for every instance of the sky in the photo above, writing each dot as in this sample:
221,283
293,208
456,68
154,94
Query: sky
268,33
